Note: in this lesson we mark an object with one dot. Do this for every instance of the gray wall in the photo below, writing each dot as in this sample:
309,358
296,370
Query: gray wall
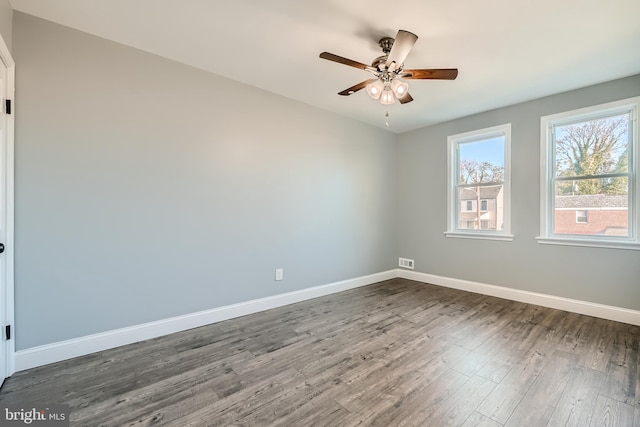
147,189
6,22
606,276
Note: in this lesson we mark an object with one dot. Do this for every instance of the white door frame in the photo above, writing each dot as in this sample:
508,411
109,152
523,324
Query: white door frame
8,297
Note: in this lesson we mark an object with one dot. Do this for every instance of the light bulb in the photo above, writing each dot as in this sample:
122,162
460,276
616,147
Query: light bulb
375,89
399,87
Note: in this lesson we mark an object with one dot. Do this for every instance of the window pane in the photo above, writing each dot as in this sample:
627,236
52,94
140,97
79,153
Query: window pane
490,217
603,213
482,161
593,147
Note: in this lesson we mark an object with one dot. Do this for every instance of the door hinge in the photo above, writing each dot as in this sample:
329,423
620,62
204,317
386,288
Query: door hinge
7,106
7,332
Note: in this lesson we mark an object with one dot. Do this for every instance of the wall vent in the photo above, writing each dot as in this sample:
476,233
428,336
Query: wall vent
406,263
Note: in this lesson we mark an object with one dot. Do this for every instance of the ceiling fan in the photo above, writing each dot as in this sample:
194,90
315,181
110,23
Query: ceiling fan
388,70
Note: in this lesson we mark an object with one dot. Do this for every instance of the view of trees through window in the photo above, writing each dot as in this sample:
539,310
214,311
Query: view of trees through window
592,175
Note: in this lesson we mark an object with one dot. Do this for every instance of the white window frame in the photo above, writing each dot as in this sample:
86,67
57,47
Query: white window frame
453,202
547,172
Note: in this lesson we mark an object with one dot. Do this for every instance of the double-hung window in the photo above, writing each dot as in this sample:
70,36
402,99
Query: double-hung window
590,188
479,184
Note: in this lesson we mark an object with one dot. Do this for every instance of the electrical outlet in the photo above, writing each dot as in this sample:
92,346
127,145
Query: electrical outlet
406,263
279,274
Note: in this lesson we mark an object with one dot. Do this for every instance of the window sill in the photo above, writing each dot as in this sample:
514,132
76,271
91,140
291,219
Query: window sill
480,235
568,241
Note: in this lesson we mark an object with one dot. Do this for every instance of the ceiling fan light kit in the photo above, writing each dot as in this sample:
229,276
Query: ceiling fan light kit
388,69
387,89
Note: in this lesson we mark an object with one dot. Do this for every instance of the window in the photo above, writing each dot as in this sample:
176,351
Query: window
589,177
582,217
479,184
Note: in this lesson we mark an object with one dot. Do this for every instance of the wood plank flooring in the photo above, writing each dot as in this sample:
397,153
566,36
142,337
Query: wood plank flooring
397,353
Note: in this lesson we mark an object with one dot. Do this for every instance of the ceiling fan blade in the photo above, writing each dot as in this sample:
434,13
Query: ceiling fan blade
355,88
406,98
345,61
401,47
435,74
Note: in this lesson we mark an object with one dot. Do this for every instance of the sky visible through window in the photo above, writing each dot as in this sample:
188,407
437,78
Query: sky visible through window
486,150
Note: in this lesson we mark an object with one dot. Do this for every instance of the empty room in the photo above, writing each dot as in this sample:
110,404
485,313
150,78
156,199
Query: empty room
325,213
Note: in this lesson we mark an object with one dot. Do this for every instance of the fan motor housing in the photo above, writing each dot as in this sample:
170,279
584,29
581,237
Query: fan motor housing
380,60
386,43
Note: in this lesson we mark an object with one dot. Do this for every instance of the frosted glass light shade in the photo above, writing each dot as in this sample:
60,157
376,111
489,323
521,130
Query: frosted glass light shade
375,89
399,87
387,97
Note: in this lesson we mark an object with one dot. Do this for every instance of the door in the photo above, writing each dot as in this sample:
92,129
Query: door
7,348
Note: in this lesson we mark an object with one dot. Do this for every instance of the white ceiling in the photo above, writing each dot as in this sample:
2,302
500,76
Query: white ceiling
507,51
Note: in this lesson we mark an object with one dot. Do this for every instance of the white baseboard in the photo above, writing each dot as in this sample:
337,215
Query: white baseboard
50,353
567,304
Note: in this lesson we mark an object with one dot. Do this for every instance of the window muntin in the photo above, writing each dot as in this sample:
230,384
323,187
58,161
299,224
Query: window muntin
479,172
589,176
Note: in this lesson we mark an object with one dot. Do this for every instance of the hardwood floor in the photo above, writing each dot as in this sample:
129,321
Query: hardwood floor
396,353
